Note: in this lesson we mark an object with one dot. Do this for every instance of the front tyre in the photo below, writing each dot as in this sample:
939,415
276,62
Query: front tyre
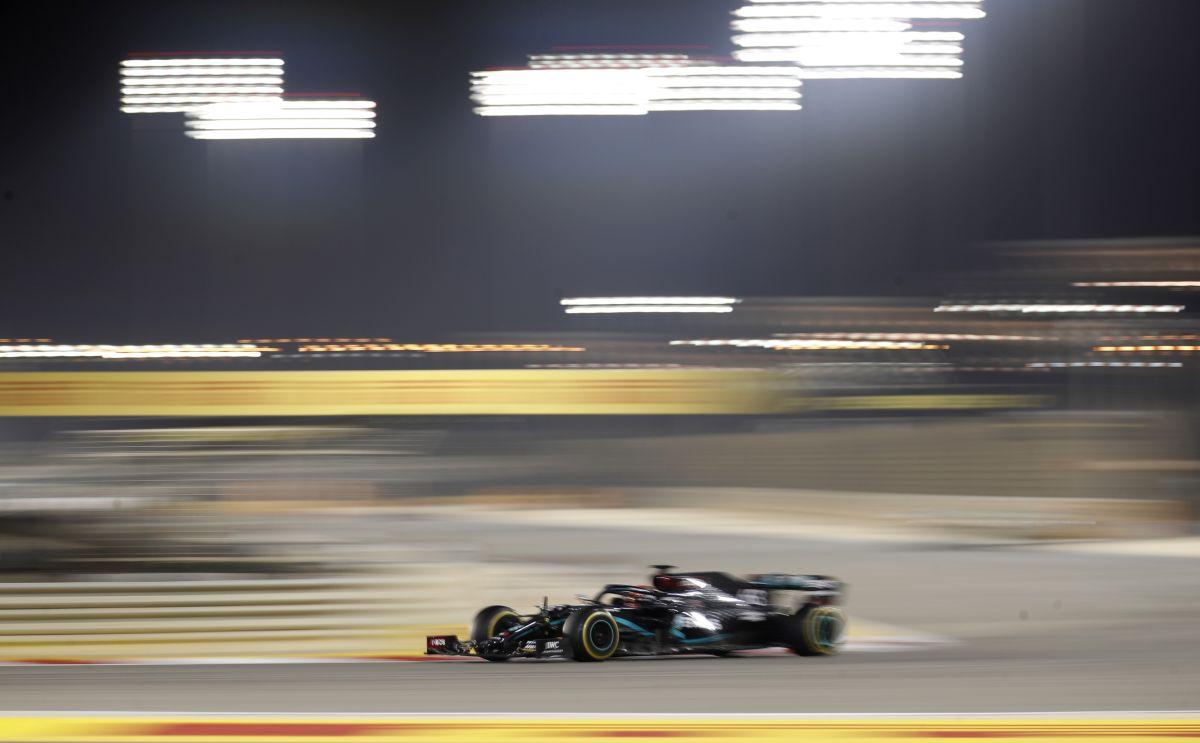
816,630
590,635
490,622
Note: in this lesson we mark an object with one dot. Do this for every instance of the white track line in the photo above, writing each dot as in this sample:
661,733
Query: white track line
904,641
886,646
1071,714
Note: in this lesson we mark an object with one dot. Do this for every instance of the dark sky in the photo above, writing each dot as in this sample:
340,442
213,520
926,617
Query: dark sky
1077,118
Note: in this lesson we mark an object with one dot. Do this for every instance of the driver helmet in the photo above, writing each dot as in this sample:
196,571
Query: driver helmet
671,583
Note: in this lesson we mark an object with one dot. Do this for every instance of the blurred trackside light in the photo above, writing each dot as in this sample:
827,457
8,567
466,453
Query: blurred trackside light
177,84
830,39
647,305
1139,284
1032,308
290,119
917,336
155,351
814,344
1104,364
1147,349
647,309
1155,337
613,366
575,301
442,348
316,340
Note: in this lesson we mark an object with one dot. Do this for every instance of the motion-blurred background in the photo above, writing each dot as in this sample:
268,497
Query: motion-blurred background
317,398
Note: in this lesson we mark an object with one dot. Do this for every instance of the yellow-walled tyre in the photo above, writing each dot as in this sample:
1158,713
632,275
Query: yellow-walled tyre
490,622
590,635
816,630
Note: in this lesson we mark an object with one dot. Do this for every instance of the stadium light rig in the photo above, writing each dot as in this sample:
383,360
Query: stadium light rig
284,119
172,84
631,85
855,38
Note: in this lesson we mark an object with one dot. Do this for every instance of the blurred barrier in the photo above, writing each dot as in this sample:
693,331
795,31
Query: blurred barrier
288,494
142,619
308,393
559,728
532,497
1007,516
1034,455
369,614
926,402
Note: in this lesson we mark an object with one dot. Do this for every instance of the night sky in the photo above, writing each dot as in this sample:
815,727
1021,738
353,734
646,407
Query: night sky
1076,119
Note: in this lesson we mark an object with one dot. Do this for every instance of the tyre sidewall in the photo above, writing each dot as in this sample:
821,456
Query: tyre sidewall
807,630
489,622
579,630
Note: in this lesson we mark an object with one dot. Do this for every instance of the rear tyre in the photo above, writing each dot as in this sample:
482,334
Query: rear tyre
590,635
490,622
816,630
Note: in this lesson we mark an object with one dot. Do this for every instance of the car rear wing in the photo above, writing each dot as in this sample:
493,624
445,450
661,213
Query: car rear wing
818,584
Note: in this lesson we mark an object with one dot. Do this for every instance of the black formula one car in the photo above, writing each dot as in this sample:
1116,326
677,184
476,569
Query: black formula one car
709,612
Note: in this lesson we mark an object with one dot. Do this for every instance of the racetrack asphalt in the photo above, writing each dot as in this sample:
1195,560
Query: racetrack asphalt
1036,630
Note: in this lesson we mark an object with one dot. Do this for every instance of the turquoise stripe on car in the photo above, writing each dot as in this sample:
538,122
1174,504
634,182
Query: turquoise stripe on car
700,640
630,625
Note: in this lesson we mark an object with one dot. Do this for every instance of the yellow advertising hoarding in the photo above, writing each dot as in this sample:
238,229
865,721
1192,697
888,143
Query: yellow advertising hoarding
340,393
